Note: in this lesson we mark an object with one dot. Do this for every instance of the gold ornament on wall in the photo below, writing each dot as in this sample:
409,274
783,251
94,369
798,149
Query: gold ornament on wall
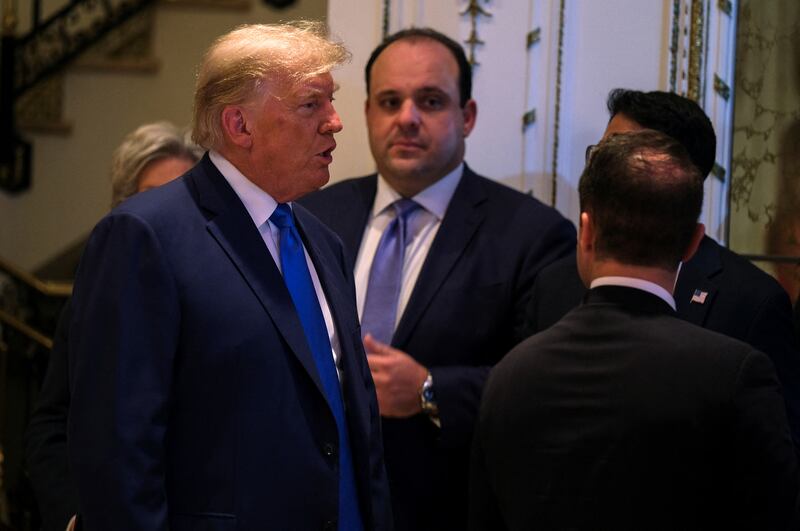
474,10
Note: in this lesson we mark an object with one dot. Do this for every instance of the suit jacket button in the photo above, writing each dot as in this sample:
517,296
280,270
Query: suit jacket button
330,525
329,450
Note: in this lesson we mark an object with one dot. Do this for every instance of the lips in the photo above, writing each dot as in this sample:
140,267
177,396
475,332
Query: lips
406,144
327,154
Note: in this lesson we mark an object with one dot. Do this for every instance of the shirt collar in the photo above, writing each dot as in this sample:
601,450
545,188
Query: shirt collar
258,203
636,283
434,198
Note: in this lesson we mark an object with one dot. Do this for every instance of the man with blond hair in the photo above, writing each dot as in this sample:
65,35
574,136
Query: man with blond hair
216,366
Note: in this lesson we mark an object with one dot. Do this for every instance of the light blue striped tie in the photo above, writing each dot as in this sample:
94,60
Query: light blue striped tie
386,275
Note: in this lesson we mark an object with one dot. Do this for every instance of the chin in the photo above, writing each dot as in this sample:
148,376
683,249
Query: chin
406,167
320,180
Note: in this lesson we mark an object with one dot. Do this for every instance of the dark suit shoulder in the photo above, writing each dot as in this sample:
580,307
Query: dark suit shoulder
588,327
512,203
319,230
339,198
157,205
342,188
738,267
748,303
557,290
730,272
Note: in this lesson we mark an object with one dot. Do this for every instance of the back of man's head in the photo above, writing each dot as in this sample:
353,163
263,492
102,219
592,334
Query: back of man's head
237,67
673,115
644,195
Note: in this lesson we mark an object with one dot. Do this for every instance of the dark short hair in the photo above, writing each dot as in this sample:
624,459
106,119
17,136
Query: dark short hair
673,115
464,68
644,194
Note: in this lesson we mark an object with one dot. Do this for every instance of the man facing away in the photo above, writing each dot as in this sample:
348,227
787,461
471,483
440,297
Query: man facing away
717,289
621,415
444,262
217,374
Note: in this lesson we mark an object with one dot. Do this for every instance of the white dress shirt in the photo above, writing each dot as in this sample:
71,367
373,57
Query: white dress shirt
637,283
423,225
260,205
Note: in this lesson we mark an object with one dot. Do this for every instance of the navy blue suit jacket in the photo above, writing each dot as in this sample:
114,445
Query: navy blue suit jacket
465,312
196,404
741,302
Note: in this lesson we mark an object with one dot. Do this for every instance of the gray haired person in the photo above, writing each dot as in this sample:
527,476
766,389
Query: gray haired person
149,156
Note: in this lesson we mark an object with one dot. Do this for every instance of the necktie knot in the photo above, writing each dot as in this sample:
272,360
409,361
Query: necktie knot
403,207
282,216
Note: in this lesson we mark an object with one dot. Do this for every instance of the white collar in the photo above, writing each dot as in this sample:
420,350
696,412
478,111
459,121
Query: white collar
434,198
258,203
636,283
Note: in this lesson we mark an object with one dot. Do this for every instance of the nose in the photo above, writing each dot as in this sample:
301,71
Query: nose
332,123
408,115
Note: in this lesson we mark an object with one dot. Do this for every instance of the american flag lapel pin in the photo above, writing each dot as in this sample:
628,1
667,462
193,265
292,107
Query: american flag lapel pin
699,296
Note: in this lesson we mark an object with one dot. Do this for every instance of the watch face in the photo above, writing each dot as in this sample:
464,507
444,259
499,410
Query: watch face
427,393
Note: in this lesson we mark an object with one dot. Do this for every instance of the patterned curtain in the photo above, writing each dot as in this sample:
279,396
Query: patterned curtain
765,185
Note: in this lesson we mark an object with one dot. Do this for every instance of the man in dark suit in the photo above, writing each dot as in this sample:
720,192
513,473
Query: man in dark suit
217,374
622,416
150,156
469,249
717,289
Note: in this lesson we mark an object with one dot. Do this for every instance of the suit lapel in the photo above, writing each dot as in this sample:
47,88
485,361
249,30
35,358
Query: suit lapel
351,227
233,229
463,217
695,278
327,268
332,277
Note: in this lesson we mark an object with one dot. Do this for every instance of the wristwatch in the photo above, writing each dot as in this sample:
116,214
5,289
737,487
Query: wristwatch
427,400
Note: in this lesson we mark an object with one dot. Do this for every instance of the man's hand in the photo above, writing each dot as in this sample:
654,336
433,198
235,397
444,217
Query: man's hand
398,379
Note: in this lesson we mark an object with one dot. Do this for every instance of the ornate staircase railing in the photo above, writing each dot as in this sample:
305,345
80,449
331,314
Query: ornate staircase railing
47,48
29,310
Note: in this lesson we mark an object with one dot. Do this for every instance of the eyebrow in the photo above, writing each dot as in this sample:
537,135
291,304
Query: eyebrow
421,90
306,92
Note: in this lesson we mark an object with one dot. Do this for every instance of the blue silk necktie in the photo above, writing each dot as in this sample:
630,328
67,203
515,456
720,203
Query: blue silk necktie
301,288
386,275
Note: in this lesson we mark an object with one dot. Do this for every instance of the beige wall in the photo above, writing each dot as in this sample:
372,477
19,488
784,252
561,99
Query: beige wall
71,189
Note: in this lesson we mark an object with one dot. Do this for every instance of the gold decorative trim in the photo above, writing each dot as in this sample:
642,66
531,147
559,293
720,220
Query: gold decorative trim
725,6
694,83
533,37
722,88
387,7
673,49
528,119
474,10
719,172
558,103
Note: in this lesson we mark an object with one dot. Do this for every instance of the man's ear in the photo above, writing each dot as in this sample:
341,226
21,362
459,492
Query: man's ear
697,237
586,232
235,126
470,112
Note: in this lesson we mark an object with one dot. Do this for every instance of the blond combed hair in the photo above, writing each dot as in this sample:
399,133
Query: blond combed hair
142,146
237,65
